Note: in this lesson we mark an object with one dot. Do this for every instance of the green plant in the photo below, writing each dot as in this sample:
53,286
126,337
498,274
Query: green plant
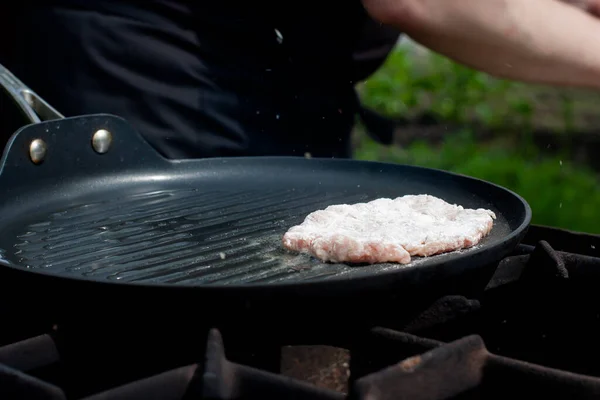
407,85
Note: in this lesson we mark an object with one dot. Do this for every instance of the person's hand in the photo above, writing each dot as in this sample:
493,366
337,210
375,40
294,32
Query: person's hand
591,6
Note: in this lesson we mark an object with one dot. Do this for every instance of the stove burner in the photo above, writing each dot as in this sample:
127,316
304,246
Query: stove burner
428,370
531,333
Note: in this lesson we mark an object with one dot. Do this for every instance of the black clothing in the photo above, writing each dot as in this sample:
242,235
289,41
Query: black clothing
199,79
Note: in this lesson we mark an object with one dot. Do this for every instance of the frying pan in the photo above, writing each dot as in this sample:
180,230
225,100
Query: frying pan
87,202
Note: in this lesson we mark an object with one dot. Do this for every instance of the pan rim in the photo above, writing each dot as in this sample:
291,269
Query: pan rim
515,233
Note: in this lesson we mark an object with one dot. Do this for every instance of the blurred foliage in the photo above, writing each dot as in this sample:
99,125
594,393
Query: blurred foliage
560,193
405,86
410,83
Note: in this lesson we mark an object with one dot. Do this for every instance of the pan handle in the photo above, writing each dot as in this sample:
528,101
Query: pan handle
33,107
55,147
77,148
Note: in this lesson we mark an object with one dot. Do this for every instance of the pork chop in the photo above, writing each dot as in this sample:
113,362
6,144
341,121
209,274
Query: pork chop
388,230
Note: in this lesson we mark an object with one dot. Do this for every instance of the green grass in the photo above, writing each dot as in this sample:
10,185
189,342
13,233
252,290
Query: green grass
560,193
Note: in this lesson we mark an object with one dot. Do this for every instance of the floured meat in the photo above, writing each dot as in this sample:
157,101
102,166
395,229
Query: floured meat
388,230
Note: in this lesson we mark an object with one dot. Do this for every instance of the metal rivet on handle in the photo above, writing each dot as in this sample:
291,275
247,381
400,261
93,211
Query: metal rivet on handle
101,141
37,151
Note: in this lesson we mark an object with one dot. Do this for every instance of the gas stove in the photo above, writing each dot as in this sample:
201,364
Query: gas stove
532,332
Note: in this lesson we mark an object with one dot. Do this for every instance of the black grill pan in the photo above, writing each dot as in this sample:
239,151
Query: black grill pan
124,216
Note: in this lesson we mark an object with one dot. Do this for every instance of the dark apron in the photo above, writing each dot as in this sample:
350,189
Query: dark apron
234,78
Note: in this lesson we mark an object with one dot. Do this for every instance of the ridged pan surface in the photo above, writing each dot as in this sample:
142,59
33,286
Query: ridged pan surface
215,222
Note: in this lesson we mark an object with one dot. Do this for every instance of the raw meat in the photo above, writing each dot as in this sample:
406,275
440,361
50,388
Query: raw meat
388,230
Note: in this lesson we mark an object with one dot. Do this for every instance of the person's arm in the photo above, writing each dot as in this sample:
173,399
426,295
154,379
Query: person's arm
538,41
591,6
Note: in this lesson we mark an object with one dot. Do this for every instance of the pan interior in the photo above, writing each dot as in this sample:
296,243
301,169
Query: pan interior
220,224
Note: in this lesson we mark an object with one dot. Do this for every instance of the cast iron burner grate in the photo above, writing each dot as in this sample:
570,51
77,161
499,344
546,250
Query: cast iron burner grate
532,333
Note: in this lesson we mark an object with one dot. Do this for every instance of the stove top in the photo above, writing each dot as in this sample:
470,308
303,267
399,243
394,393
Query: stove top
532,332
